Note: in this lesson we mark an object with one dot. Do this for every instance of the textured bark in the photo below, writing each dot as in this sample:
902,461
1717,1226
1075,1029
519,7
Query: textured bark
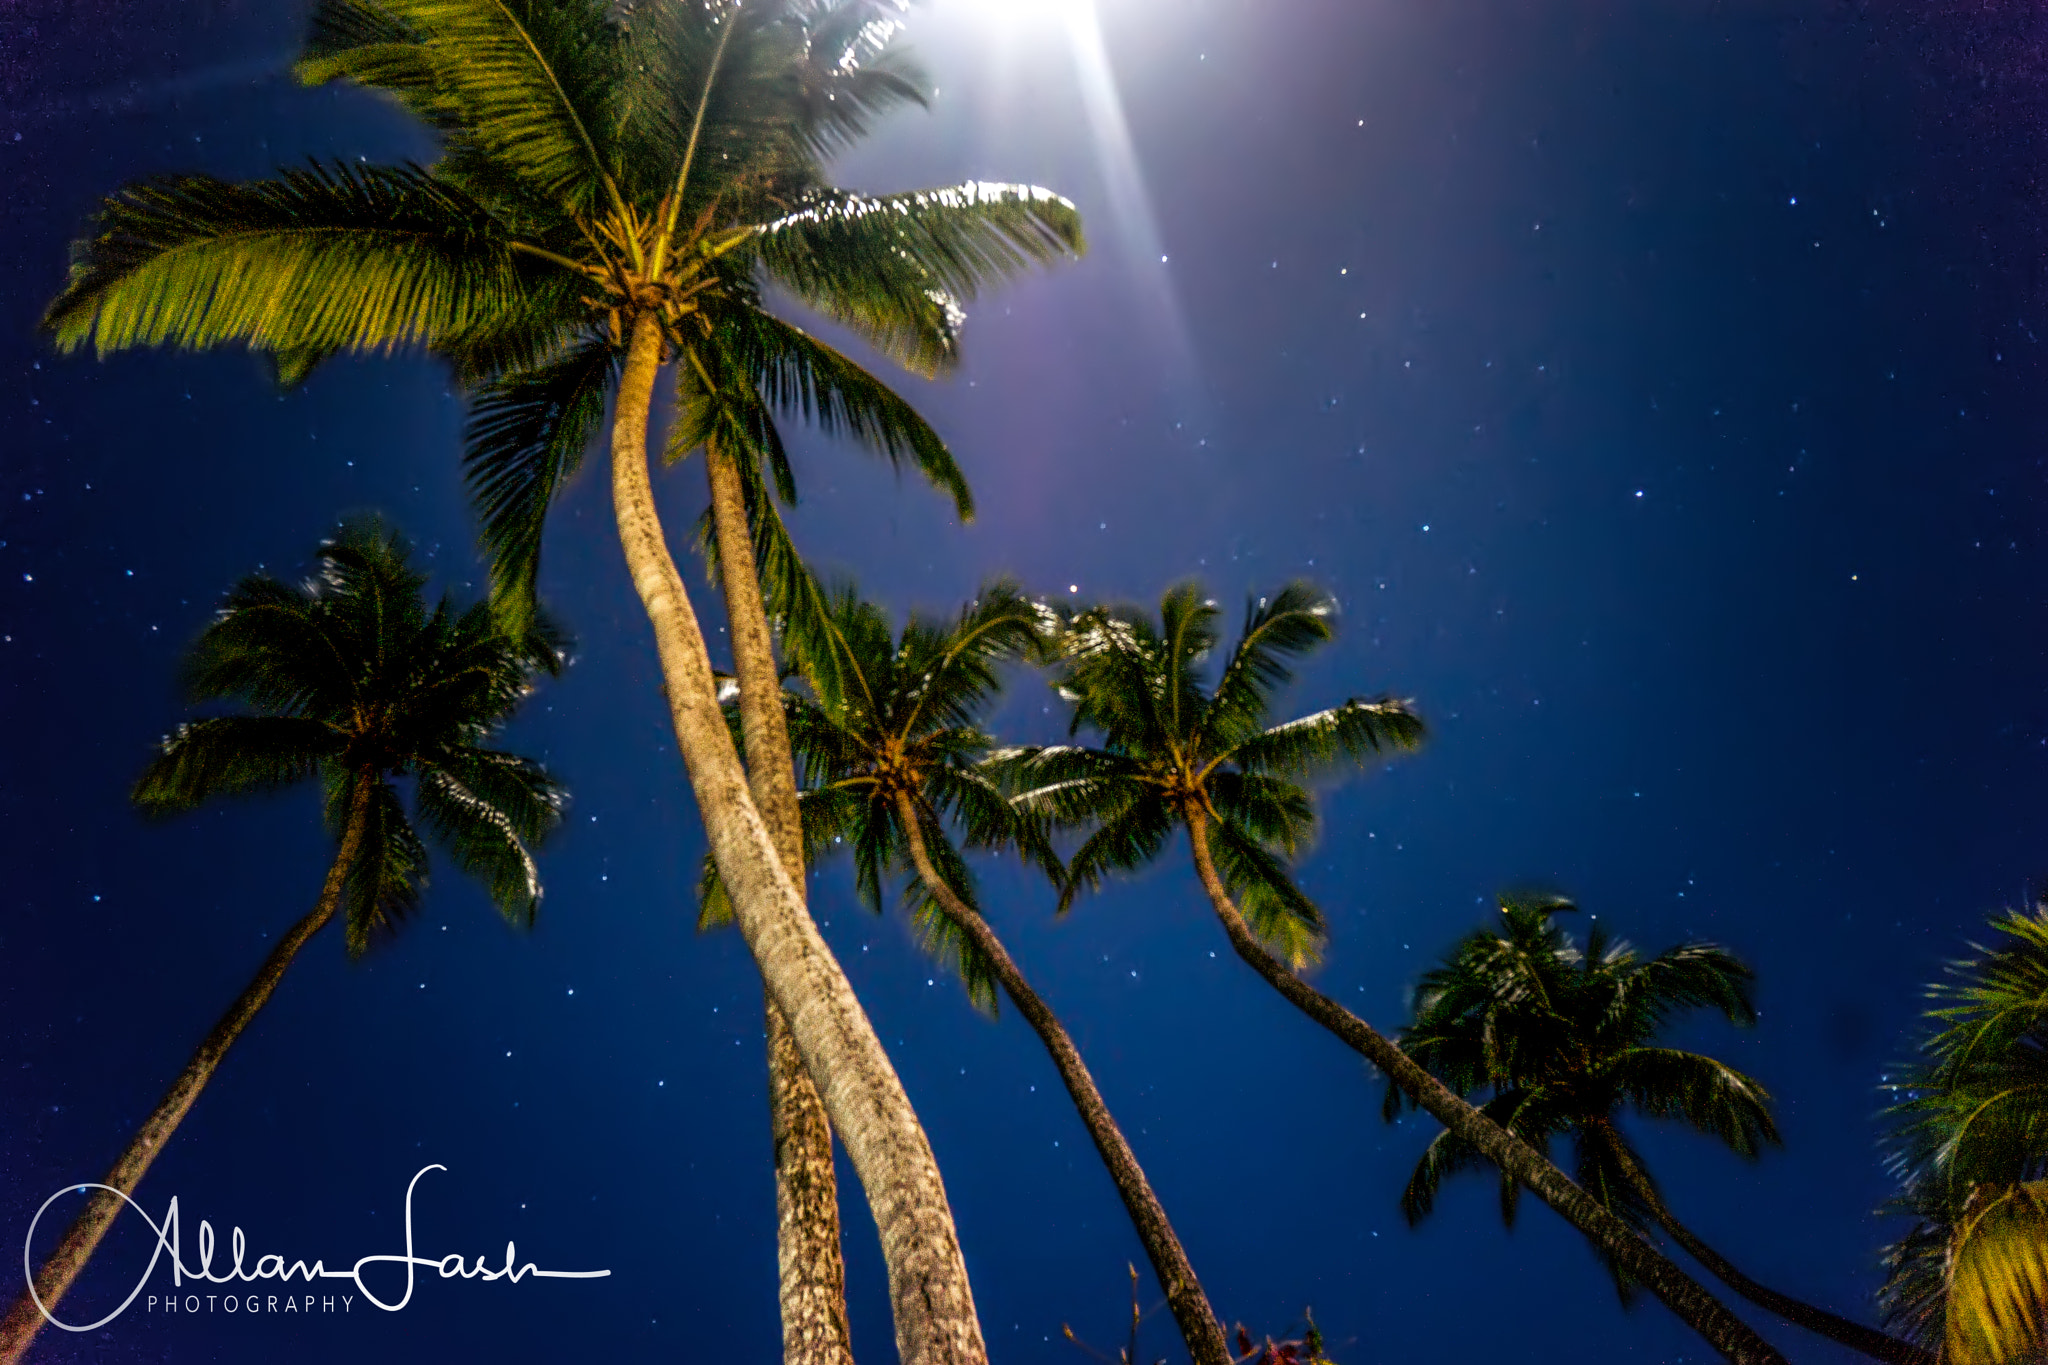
1197,1321
1854,1335
24,1319
813,1269
1701,1311
928,1288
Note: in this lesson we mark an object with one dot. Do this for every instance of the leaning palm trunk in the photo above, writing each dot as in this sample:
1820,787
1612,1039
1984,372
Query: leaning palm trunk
1197,1321
813,1270
1854,1335
928,1288
1705,1314
25,1319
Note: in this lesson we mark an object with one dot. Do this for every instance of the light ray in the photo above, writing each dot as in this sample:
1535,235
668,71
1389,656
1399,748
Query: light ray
1134,233
1130,200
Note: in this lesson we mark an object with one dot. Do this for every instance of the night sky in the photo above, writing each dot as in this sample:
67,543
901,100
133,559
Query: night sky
1657,387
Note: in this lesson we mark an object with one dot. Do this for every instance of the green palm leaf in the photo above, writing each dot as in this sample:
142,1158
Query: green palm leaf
319,260
891,267
1285,919
1710,1097
1286,625
1997,1295
530,82
526,436
803,377
233,756
382,884
1356,730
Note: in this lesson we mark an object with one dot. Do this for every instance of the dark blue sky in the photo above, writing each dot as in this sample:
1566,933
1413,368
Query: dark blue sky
1655,385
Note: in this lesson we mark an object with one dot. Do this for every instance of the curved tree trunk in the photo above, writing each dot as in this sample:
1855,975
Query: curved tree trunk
928,1287
1701,1311
813,1270
25,1319
1854,1335
1198,1325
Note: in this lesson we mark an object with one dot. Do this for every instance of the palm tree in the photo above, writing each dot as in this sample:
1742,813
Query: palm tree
352,680
890,743
1567,1038
1970,1280
618,182
1177,755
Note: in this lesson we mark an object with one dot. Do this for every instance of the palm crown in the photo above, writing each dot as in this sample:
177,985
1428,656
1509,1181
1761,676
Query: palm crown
889,720
1566,1038
1971,1145
604,166
350,678
1171,748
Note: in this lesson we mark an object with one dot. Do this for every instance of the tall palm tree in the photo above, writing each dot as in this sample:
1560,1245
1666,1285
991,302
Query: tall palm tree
1970,1280
352,680
1177,755
1567,1038
618,182
890,744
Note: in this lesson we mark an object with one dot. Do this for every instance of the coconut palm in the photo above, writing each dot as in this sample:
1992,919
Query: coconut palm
619,183
352,680
1567,1038
1970,1279
889,740
1175,754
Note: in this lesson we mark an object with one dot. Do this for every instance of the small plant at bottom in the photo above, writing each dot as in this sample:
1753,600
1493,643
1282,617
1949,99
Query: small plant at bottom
1304,1350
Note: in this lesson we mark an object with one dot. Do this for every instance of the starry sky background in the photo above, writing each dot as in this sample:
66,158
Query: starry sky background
1656,386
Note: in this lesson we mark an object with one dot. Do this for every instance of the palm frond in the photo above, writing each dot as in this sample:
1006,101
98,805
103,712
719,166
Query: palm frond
381,885
854,73
482,837
233,756
1187,633
1277,629
1270,810
1447,1155
804,377
1997,1293
1356,730
939,935
1710,1097
1126,840
1284,918
714,902
525,437
891,267
320,260
531,82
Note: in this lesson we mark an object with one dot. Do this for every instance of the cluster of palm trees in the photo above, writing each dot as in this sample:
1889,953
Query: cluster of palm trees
619,192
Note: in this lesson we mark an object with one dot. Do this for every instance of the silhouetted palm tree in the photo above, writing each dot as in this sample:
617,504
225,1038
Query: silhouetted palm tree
1177,755
349,679
1565,1039
889,741
618,183
1971,1278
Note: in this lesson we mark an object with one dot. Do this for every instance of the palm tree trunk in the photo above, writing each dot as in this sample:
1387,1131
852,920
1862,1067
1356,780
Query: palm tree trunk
25,1319
1701,1311
928,1287
1854,1335
813,1270
1198,1325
